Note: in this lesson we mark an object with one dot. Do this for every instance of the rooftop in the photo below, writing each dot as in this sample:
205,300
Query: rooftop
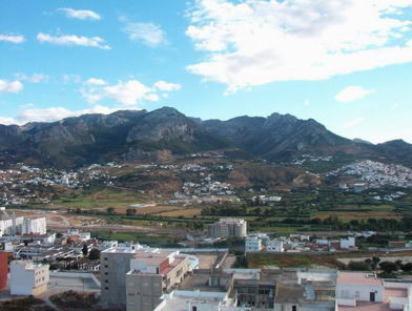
366,306
358,278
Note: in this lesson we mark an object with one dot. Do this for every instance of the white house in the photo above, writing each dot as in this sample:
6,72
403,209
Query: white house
355,290
28,278
347,243
275,246
253,244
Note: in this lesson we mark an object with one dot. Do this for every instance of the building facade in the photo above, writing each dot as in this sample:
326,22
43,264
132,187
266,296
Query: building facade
360,290
34,226
228,228
28,278
114,264
152,274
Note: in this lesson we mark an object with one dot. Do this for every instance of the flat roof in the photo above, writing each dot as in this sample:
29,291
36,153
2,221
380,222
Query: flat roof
358,278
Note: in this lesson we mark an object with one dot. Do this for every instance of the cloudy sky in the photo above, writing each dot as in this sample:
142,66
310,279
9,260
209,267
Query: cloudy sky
345,63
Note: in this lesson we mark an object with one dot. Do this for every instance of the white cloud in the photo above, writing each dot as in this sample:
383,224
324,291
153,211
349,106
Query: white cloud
10,86
167,86
7,121
352,93
74,40
80,14
254,42
353,123
147,33
126,93
51,114
71,78
33,78
16,39
95,81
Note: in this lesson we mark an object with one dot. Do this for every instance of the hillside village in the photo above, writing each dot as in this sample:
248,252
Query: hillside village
194,182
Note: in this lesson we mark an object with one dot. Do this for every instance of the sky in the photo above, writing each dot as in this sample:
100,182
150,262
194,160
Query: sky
345,63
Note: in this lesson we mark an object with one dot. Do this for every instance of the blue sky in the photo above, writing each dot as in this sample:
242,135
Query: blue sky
347,64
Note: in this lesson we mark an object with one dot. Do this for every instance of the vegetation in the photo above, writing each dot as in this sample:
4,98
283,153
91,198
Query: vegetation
28,304
155,240
72,300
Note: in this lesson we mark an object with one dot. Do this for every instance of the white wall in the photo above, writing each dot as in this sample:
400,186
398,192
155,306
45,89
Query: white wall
359,292
34,226
25,277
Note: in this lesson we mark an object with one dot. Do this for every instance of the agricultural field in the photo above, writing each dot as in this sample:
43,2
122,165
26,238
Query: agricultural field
346,216
100,199
337,260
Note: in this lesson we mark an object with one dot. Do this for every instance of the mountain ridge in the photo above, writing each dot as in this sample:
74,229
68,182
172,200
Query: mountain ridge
161,134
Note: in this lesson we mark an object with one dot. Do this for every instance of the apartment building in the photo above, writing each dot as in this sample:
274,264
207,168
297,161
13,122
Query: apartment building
135,277
114,265
28,278
9,223
253,244
228,228
365,291
34,226
153,273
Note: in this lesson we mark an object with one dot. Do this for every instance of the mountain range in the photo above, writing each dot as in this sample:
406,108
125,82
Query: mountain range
165,133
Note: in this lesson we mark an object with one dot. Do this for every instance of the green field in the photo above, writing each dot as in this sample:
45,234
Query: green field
100,198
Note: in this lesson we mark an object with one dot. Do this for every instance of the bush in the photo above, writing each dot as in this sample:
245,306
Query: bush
94,254
388,267
407,267
359,266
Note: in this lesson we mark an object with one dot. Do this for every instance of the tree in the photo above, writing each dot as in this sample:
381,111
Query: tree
407,267
388,267
85,250
94,254
358,266
130,211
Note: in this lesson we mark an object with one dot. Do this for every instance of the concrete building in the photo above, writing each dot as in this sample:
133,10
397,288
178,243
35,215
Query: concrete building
254,289
306,290
114,265
10,224
228,228
28,278
195,301
77,235
275,246
261,241
153,273
34,226
364,291
253,244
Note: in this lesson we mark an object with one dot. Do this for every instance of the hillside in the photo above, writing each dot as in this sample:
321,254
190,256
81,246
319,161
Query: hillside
164,134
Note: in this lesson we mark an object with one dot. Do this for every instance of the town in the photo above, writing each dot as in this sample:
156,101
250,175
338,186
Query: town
72,268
